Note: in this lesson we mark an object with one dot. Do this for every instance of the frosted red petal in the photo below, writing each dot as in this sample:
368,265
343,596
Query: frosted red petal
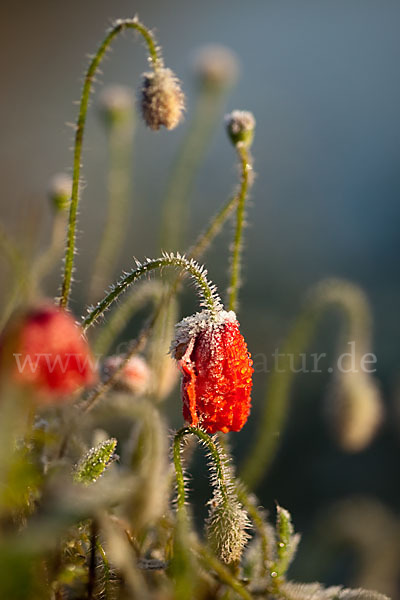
48,352
217,378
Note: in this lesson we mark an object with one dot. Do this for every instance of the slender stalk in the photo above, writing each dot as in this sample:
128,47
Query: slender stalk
149,291
211,562
156,61
120,136
20,280
48,258
246,168
353,304
207,290
206,114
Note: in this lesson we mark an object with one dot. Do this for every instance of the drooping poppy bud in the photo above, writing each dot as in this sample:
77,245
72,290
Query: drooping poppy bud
45,350
162,100
217,371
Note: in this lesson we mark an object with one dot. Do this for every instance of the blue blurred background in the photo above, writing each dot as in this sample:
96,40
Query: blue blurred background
322,78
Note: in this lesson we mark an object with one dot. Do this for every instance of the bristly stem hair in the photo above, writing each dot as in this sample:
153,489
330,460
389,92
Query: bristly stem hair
156,62
246,170
211,300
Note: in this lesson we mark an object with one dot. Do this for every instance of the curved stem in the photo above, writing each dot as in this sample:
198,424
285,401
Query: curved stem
352,301
214,453
116,29
246,168
210,297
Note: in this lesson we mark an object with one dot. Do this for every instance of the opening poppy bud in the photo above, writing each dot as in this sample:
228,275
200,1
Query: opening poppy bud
216,67
134,376
45,350
162,100
240,125
217,371
59,191
116,104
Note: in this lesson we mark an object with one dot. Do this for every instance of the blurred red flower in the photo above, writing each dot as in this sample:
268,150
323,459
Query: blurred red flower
45,349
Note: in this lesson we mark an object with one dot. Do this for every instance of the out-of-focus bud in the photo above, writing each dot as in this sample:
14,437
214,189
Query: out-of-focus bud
116,104
59,191
216,67
134,376
355,409
162,99
240,125
45,350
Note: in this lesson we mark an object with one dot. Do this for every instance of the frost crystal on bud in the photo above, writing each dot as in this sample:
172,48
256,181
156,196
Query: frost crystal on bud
95,462
59,191
162,99
240,126
227,526
354,410
116,104
217,371
216,66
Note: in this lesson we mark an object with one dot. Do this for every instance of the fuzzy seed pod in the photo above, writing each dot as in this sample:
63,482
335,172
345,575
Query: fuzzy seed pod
217,371
45,350
216,67
134,377
162,99
240,125
226,529
355,410
60,191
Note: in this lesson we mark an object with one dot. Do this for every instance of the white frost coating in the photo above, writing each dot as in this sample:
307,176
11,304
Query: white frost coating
190,326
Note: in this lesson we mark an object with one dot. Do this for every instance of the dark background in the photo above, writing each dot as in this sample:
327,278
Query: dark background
322,78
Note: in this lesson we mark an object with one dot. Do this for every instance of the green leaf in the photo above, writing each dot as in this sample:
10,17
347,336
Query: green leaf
95,462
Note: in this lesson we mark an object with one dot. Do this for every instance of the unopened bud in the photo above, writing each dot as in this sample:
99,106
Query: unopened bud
355,410
59,191
116,104
227,526
162,100
216,67
134,377
240,125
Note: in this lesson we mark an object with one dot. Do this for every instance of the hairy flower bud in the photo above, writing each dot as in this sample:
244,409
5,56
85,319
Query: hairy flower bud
116,104
162,100
226,528
354,409
134,376
216,66
217,371
240,125
59,191
45,350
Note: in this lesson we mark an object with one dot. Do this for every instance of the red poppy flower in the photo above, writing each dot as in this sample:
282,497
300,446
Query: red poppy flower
217,371
46,350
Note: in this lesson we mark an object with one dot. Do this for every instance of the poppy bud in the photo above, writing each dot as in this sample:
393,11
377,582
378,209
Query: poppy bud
240,125
60,189
116,104
134,376
217,371
216,67
162,99
45,350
